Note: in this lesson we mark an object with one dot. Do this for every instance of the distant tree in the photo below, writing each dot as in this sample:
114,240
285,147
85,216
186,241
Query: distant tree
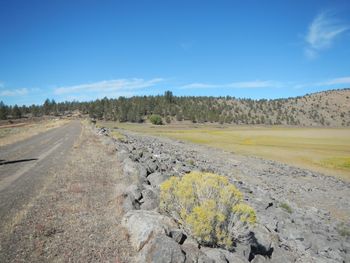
156,119
35,110
3,111
169,98
47,107
16,112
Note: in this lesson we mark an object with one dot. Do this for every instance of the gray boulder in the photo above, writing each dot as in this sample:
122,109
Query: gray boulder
130,204
130,168
157,178
134,192
261,241
151,165
222,256
194,255
150,199
142,171
283,255
162,249
259,259
143,225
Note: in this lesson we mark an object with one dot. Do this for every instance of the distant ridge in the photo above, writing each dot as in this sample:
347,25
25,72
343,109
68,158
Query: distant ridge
326,108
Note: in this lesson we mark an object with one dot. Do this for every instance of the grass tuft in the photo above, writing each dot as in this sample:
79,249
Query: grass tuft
343,230
286,207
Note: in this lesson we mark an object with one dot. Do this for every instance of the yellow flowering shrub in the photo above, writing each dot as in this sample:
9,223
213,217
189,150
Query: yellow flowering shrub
209,208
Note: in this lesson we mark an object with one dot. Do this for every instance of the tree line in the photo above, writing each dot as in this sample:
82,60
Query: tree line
173,108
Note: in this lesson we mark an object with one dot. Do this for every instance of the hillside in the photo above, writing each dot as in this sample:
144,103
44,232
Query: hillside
328,108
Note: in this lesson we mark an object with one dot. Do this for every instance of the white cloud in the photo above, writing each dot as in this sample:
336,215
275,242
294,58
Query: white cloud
236,85
199,86
108,86
13,92
330,83
335,81
322,32
255,84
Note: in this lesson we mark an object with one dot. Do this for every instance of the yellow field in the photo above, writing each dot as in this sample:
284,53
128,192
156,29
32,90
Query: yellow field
326,150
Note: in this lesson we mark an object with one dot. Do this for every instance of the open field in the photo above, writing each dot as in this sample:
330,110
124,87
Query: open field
17,132
325,150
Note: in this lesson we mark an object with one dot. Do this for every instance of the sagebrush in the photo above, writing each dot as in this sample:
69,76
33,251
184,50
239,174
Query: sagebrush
208,207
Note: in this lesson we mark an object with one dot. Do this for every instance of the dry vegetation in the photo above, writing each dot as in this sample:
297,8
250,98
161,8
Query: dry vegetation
325,150
13,133
209,207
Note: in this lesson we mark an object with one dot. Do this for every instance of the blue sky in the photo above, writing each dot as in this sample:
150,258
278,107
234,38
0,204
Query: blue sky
82,50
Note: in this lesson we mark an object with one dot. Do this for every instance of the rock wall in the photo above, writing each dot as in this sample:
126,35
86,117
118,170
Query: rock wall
285,233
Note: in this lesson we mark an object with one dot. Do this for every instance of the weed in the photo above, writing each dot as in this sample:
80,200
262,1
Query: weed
343,230
117,135
190,162
286,207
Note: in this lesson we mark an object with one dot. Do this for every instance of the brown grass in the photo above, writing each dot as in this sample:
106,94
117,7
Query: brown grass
18,132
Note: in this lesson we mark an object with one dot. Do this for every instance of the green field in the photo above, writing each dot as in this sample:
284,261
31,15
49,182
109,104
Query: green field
326,150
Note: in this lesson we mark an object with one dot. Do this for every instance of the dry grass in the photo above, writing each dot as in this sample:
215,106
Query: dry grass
15,133
117,135
325,150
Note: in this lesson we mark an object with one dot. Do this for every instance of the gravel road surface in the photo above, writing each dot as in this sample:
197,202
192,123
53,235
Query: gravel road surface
26,164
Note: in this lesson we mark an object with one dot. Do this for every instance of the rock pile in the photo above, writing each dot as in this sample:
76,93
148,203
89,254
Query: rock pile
285,232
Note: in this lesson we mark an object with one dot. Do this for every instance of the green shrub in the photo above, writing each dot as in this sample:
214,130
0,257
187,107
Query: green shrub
190,162
343,230
156,119
208,207
286,207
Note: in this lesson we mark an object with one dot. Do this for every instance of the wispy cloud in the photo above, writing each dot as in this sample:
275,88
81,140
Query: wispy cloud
197,85
235,85
13,92
341,82
322,32
108,86
335,81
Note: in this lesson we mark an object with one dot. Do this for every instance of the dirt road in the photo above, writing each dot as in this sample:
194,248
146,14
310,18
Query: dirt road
58,199
26,164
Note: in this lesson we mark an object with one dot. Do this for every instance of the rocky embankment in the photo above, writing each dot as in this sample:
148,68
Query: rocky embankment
302,216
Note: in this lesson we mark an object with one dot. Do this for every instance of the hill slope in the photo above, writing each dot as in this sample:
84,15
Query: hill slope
328,108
